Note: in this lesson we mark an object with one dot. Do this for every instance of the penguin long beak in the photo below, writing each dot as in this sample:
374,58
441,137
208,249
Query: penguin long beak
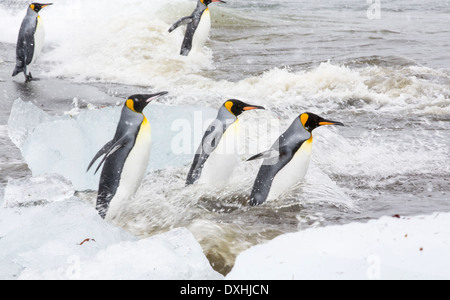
152,97
253,107
328,122
218,1
46,4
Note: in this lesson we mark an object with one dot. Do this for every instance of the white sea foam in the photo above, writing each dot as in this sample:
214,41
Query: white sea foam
68,240
129,43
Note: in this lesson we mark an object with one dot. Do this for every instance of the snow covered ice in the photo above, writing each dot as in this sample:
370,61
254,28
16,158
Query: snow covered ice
36,190
408,248
68,240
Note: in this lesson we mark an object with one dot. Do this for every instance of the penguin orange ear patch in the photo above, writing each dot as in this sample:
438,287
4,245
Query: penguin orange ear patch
229,105
130,104
304,118
32,6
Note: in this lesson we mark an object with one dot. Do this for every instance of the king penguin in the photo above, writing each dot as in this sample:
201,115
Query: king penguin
126,156
286,163
30,40
198,26
216,156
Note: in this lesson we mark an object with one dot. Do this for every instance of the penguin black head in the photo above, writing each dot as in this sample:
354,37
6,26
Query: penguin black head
311,121
138,102
207,2
237,107
38,6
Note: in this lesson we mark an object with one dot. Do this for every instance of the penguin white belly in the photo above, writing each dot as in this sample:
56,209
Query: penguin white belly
220,165
133,171
293,172
202,32
39,37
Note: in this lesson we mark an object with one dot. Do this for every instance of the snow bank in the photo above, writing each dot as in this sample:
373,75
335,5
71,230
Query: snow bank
388,248
63,237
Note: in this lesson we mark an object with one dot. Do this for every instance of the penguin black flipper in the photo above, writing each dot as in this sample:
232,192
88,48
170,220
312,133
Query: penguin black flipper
266,155
182,21
101,152
196,168
113,149
107,150
209,143
30,42
269,169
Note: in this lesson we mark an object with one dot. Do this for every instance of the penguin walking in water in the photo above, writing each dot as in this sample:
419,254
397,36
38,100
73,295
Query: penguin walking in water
30,40
126,156
286,163
216,156
198,26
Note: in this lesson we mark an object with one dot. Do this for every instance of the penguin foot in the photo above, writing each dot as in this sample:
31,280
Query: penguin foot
28,77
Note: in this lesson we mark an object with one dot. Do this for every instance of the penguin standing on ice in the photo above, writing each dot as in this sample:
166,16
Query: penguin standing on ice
30,40
198,26
286,163
216,156
126,156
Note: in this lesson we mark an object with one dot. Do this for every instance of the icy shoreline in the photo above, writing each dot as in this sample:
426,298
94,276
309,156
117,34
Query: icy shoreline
390,248
64,238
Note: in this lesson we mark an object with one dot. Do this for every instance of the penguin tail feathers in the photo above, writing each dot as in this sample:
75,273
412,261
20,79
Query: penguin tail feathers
17,70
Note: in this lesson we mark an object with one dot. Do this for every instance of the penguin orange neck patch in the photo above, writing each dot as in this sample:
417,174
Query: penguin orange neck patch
130,104
229,105
304,118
